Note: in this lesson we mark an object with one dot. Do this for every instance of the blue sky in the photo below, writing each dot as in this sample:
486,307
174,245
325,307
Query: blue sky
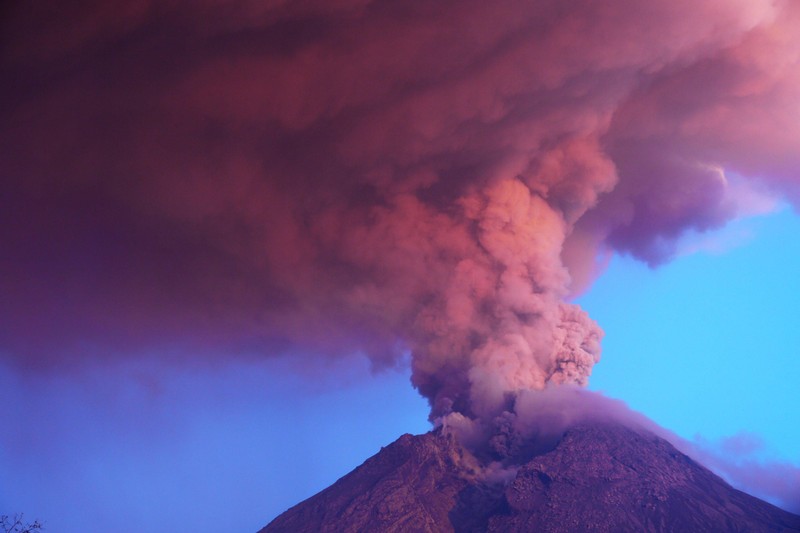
706,345
709,343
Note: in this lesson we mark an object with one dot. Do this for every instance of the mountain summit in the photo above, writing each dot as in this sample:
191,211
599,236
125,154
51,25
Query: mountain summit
596,477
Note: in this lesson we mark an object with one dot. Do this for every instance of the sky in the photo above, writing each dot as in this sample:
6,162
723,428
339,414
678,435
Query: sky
245,245
727,360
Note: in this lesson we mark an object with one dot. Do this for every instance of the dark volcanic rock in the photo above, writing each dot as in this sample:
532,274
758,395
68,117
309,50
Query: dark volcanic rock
612,478
411,485
599,477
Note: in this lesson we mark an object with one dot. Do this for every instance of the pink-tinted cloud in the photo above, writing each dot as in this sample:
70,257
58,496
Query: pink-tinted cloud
737,459
676,136
335,177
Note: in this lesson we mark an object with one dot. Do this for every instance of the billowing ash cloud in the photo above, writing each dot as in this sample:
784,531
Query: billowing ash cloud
378,176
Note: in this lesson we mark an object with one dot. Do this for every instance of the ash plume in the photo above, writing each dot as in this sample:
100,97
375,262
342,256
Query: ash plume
380,177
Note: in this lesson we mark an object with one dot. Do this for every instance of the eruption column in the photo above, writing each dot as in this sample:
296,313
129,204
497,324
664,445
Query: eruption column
331,177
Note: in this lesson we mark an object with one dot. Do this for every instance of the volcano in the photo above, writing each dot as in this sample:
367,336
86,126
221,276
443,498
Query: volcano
597,476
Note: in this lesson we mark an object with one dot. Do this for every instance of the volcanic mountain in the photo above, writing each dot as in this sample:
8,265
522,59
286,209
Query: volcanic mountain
595,476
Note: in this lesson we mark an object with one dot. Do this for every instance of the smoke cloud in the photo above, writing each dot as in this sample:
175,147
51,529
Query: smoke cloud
741,460
381,177
537,420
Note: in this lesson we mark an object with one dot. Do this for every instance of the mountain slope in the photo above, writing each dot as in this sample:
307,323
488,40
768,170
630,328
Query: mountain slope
598,477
